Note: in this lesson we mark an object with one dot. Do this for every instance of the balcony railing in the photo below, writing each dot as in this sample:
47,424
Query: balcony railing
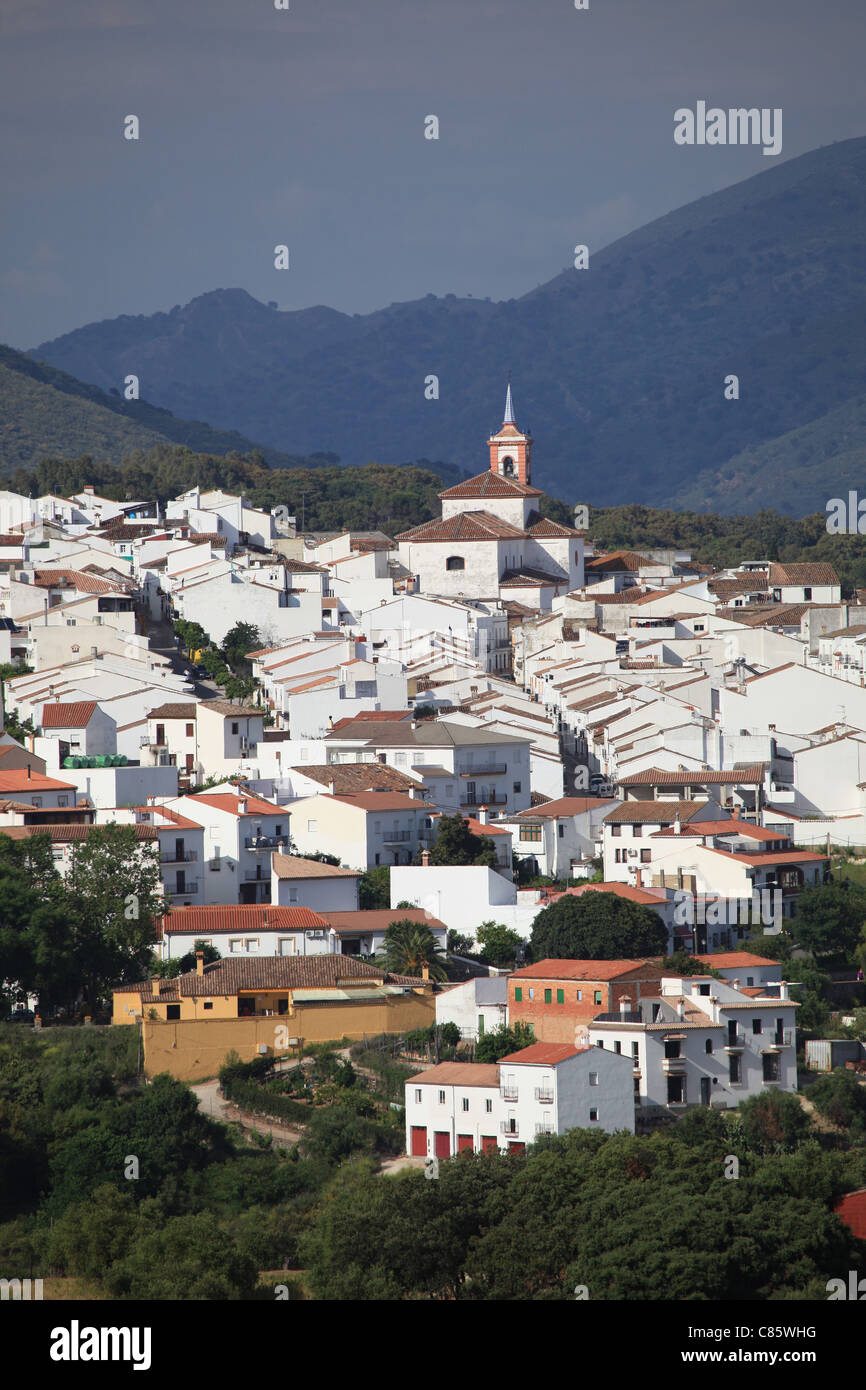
391,837
543,1127
187,856
508,1092
673,1066
250,876
508,1127
489,770
484,801
546,1097
263,842
188,890
783,1038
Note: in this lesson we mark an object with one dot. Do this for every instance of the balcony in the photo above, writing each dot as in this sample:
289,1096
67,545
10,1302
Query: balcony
394,837
188,891
508,1127
734,1042
489,770
544,1096
673,1066
543,1127
250,876
484,801
508,1093
783,1038
188,856
261,843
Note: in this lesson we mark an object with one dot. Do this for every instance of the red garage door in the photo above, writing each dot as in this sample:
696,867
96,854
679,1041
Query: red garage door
518,1147
419,1141
442,1143
488,1144
464,1141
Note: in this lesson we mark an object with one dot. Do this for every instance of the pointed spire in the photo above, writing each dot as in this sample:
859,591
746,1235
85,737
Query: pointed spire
509,406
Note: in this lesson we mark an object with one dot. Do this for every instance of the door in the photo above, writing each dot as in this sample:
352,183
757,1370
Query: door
705,1090
518,1146
464,1141
419,1141
442,1143
179,851
488,1144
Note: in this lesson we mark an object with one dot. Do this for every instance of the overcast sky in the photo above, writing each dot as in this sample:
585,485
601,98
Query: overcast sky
306,127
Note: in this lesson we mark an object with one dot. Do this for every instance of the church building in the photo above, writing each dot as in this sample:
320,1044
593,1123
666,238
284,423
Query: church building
491,543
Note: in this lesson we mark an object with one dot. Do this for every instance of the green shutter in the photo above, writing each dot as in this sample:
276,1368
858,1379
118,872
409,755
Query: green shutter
481,1025
560,996
518,994
547,996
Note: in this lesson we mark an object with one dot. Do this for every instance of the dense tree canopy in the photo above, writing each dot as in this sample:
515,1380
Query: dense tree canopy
455,844
597,926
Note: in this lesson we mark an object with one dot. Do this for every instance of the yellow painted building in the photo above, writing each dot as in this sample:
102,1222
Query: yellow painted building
256,1007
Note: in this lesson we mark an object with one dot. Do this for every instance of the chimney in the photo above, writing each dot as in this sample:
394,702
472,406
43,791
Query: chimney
783,990
199,962
425,972
736,984
382,757
242,806
624,1006
332,788
681,1010
425,858
413,724
483,815
678,828
28,772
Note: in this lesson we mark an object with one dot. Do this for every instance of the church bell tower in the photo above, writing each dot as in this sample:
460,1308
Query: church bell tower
510,449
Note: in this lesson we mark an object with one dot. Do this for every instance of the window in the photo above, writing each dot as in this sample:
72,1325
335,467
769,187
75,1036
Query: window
63,801
518,994
516,786
735,1069
579,995
465,1102
236,944
617,1047
593,1114
252,943
771,1066
756,1025
530,832
455,562
548,996
418,1094
312,827
172,1011
441,1097
190,730
616,830
235,728
708,1046
673,1047
807,595
593,1075
635,1050
488,1106
560,830
636,832
293,892
560,996
377,858
208,1004
596,997
37,801
645,856
531,992
399,759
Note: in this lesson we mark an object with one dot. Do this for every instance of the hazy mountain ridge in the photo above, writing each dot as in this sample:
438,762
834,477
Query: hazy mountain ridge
618,369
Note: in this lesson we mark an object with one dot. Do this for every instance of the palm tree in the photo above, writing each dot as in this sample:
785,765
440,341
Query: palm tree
408,947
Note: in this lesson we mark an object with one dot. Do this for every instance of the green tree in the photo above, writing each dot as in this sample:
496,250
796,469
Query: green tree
597,926
841,1099
408,947
455,844
504,1040
374,889
499,944
830,918
773,1122
242,638
113,892
458,944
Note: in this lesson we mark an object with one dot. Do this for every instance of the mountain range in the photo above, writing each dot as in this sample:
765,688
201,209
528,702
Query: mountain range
618,369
